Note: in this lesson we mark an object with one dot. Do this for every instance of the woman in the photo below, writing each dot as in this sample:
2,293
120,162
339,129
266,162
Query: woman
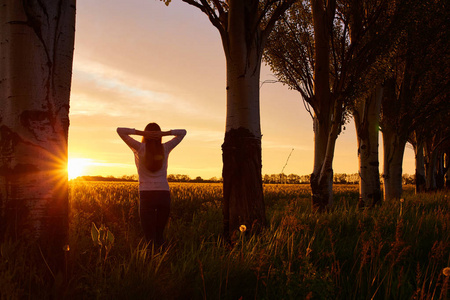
151,161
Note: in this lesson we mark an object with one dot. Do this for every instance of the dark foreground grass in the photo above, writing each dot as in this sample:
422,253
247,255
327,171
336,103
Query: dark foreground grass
396,251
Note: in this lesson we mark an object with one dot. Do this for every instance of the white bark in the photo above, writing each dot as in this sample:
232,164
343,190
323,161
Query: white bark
244,26
243,195
366,118
36,53
243,98
327,109
322,177
244,53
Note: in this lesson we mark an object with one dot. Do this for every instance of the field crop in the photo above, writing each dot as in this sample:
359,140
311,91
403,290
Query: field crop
399,250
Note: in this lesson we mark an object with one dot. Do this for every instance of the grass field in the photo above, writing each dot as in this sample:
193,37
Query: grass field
400,250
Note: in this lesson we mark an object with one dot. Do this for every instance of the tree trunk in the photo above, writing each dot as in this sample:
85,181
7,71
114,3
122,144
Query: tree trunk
440,180
36,52
322,176
328,111
431,156
420,167
447,169
242,179
394,148
366,118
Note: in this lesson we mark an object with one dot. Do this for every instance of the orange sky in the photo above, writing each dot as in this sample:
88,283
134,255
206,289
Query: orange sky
138,61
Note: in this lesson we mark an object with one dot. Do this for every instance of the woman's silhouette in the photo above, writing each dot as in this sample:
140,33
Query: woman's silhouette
151,156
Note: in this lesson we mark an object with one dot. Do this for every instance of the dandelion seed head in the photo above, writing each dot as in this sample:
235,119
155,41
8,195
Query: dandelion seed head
242,228
446,272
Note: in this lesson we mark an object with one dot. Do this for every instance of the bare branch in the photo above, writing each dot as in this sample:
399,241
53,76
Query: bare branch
218,21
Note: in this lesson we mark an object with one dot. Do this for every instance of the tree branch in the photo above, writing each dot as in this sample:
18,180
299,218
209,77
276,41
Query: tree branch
219,21
275,17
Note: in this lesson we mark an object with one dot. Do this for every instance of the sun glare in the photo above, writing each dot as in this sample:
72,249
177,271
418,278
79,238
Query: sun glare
76,167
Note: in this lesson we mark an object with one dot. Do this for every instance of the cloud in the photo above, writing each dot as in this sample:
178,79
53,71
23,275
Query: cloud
98,89
102,90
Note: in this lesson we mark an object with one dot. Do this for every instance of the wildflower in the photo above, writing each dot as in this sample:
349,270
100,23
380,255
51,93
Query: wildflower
402,200
446,272
242,228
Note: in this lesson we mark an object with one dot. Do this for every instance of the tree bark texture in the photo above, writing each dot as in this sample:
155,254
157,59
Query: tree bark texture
36,54
327,110
440,181
431,162
242,181
322,176
394,148
242,167
420,167
366,116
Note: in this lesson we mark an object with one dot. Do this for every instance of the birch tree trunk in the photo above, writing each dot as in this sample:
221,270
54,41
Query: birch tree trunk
420,167
36,53
431,157
242,166
394,148
322,176
244,27
328,111
366,116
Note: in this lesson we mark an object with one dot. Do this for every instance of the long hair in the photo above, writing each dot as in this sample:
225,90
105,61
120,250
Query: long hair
154,151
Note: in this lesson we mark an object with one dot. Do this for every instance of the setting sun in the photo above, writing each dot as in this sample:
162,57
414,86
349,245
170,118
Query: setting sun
76,167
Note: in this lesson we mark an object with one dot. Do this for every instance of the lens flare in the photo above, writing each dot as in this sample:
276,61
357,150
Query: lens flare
76,167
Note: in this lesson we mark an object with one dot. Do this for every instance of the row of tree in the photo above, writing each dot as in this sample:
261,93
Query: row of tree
384,63
266,178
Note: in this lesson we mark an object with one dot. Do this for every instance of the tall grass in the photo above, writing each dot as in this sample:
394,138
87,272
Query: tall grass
395,251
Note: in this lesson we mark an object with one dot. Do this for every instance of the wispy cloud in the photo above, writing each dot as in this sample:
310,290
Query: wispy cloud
101,89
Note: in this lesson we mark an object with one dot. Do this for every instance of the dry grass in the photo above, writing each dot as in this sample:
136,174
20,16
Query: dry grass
396,251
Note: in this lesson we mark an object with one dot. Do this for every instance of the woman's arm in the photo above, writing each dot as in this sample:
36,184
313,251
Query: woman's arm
179,136
125,133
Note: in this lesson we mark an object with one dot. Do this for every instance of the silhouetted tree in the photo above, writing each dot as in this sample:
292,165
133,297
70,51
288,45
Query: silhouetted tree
374,27
417,88
324,50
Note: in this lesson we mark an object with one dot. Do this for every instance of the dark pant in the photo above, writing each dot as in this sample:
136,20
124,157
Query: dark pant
154,211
